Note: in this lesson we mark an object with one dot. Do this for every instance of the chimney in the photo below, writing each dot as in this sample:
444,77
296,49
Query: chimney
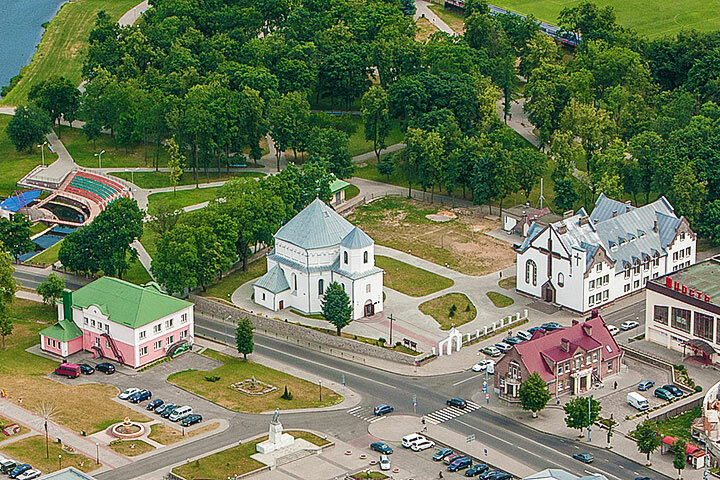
575,321
628,204
565,344
67,304
594,313
584,220
568,214
587,329
655,226
562,229
614,214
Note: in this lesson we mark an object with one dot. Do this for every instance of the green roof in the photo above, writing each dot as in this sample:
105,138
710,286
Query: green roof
338,185
126,303
63,331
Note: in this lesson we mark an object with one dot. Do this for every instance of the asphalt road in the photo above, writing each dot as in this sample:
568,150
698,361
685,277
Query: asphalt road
31,279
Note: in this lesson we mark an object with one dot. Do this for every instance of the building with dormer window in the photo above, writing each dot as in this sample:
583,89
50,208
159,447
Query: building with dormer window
587,260
315,248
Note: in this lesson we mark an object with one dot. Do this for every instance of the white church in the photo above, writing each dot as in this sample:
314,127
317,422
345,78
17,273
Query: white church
587,260
315,248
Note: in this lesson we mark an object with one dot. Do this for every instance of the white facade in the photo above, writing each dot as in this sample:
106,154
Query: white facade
586,261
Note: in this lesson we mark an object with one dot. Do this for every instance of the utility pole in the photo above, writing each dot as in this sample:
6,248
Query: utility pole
589,416
391,322
542,197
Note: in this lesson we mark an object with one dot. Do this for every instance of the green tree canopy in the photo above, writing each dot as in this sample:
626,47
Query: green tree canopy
647,437
51,289
15,235
336,307
244,337
581,412
28,127
534,394
8,287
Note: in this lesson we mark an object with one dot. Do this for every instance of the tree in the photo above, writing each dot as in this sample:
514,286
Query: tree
679,448
374,105
51,289
175,163
336,307
534,394
687,193
647,438
244,337
710,222
576,411
565,194
288,117
329,147
28,127
15,235
58,96
175,263
386,167
530,165
8,287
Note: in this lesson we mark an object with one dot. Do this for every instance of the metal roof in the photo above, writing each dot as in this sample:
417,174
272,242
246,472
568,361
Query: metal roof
273,281
63,331
316,226
356,239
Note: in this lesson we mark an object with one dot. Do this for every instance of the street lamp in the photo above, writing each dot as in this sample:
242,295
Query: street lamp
60,461
320,384
99,156
42,151
391,322
97,453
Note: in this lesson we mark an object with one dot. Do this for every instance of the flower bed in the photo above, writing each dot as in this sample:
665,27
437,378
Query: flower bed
251,386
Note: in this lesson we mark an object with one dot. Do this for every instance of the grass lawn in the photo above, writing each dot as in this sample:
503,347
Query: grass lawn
64,44
351,192
305,394
440,309
131,448
181,198
47,256
640,15
137,274
409,279
679,426
149,239
459,244
373,475
16,164
83,151
423,29
500,300
37,228
165,434
4,422
162,179
32,450
225,287
358,145
453,17
508,283
371,341
22,376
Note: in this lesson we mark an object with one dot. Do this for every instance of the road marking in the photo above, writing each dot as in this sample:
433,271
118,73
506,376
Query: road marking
448,413
468,379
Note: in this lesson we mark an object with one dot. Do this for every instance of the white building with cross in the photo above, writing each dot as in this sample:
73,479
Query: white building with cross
588,260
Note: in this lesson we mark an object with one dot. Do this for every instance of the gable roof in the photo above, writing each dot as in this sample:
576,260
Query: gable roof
126,303
337,185
63,331
356,239
273,281
316,226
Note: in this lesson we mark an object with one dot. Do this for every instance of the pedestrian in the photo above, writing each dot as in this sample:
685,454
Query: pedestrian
615,387
423,420
440,475
500,275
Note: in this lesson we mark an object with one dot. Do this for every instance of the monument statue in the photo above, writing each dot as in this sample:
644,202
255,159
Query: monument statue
276,417
276,438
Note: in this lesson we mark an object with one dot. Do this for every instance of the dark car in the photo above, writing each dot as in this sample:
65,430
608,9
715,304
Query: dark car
381,447
674,390
382,409
442,453
7,466
460,463
456,402
86,369
550,326
191,419
22,468
166,408
664,394
496,475
583,457
155,404
477,469
646,385
140,396
535,329
512,340
105,367
643,478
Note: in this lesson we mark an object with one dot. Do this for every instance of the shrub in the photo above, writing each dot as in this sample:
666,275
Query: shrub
286,394
453,309
382,340
213,378
398,344
698,388
467,307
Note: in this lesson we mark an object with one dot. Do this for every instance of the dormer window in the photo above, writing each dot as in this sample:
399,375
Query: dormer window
682,236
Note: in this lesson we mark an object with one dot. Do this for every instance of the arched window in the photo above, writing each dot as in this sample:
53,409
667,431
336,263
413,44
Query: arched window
345,257
561,280
294,282
321,286
531,272
365,257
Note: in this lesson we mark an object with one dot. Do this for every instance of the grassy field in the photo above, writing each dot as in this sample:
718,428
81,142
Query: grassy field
351,192
131,448
233,370
423,29
162,179
16,164
409,279
508,283
500,300
679,426
370,341
37,228
440,309
83,151
165,434
225,287
453,17
358,145
181,198
137,274
64,44
4,422
32,450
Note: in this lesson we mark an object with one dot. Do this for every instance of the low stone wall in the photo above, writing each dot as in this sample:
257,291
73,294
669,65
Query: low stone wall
679,406
300,335
657,362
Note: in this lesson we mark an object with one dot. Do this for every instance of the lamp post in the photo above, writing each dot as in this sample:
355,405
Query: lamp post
99,156
320,385
391,322
60,461
589,416
97,453
42,151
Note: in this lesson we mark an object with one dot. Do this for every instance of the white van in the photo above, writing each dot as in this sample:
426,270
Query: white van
180,413
638,401
409,440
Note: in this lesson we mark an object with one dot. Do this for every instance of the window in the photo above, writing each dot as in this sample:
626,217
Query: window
531,272
675,256
294,279
682,236
636,270
86,320
606,294
567,367
157,328
99,325
345,258
97,341
656,262
321,286
610,366
561,280
183,317
577,364
645,280
169,323
591,300
141,335
681,254
107,344
703,326
655,275
636,284
263,295
184,334
687,251
107,328
365,257
587,360
626,288
680,319
606,279
92,323
143,351
169,340
368,287
343,286
661,314
646,266
157,345
592,284
598,268
595,357
627,272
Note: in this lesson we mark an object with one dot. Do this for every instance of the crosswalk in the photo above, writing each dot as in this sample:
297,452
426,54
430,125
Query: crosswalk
365,413
448,413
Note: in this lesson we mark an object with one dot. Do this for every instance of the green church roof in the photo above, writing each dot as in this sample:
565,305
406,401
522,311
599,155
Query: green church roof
63,331
126,303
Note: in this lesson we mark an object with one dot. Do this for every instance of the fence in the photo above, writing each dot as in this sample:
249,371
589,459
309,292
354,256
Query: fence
496,327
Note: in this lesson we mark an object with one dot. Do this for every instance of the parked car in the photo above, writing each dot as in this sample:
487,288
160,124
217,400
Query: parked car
128,393
86,369
384,462
523,335
483,365
613,330
535,329
664,394
442,453
168,407
155,404
496,475
636,400
503,347
456,402
512,340
583,457
459,464
451,458
491,351
422,445
629,325
180,413
550,326
105,367
646,385
22,468
192,419
381,447
409,440
29,474
477,469
643,478
140,396
674,390
7,465
382,409
69,370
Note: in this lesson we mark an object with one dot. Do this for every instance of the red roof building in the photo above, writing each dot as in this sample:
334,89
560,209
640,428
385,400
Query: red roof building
570,360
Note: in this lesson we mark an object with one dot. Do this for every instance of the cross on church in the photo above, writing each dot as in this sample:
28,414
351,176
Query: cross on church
577,259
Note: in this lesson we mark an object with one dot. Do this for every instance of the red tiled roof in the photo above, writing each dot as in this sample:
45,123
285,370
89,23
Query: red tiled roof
549,346
690,449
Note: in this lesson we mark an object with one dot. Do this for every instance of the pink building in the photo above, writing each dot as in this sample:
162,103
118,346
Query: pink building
130,324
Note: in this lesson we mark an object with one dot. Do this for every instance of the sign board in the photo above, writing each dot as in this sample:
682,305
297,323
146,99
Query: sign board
679,287
470,438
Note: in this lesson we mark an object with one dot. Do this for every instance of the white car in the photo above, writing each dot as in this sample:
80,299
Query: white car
484,365
629,324
523,335
29,474
422,445
126,394
613,329
384,462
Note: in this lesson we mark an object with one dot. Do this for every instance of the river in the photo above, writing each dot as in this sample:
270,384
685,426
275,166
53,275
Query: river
20,32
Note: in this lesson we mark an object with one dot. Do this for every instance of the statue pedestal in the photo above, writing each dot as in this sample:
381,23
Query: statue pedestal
276,440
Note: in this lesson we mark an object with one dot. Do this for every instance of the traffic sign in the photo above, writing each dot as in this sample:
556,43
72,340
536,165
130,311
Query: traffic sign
470,438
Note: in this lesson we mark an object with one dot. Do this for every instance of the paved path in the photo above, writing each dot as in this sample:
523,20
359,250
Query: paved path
422,9
518,120
131,16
